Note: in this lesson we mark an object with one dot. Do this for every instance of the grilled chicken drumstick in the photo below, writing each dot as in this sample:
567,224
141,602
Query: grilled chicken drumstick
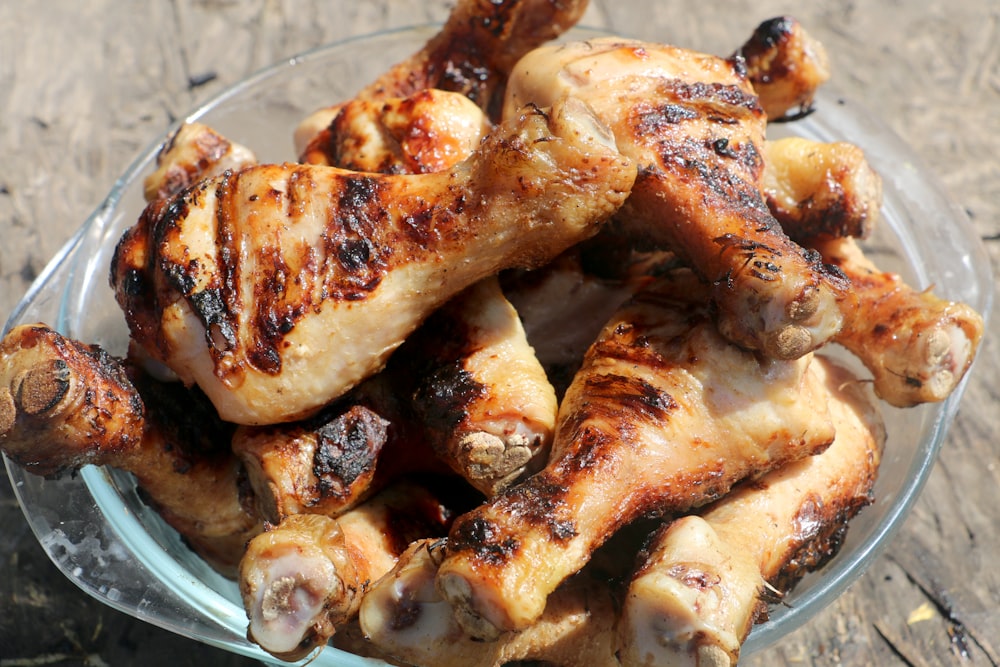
482,395
665,415
261,286
66,404
917,345
306,576
696,594
405,618
693,125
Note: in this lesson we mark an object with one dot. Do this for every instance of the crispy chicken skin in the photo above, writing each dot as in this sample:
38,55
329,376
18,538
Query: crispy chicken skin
306,576
693,125
786,66
697,590
480,391
406,619
195,151
430,130
261,286
665,415
916,345
820,190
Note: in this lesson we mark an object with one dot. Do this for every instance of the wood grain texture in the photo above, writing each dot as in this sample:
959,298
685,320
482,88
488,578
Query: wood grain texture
84,86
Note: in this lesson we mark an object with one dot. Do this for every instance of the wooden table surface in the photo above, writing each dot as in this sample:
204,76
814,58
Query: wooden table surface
84,86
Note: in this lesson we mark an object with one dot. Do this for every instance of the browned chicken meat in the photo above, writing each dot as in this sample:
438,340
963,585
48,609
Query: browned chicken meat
406,619
261,286
693,125
917,346
698,590
664,415
786,66
303,578
821,190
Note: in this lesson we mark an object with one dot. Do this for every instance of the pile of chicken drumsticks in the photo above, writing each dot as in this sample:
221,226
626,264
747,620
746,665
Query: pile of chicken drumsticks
521,359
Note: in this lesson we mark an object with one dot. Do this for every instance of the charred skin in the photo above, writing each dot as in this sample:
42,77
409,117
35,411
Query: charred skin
786,66
694,126
64,404
306,576
664,416
698,589
917,345
249,282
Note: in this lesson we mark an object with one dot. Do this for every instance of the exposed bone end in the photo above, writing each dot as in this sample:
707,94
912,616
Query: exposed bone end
490,462
44,388
460,594
8,412
692,602
789,342
297,583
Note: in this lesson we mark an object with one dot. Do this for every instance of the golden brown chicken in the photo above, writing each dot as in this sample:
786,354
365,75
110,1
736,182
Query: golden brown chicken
693,124
306,576
483,397
261,287
406,619
195,151
786,66
698,590
917,346
665,415
430,130
820,190
472,55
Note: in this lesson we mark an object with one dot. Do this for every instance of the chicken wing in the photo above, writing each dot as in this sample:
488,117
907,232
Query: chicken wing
664,415
697,592
306,576
917,345
405,618
693,125
261,286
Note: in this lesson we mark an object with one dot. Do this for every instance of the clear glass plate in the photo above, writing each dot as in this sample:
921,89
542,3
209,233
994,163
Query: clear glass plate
102,537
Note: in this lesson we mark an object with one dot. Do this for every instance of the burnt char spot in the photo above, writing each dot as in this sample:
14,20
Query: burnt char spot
702,93
654,121
347,449
444,396
482,537
772,32
539,502
210,307
405,614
